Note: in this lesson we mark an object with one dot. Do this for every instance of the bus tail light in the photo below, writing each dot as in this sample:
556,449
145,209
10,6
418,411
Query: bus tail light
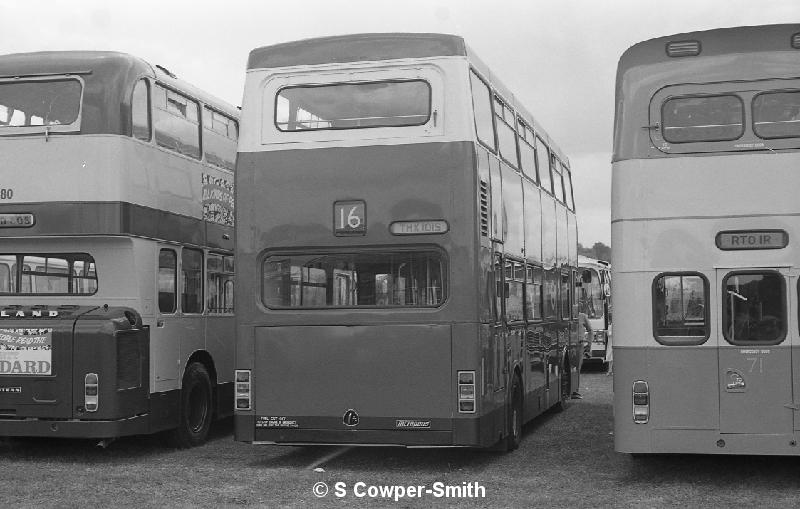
641,402
243,399
91,389
466,392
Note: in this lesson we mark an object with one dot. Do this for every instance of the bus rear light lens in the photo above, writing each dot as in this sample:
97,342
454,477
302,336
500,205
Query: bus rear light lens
91,390
641,402
466,392
243,392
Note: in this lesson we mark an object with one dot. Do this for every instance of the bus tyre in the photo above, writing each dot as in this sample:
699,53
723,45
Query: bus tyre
195,409
565,388
514,436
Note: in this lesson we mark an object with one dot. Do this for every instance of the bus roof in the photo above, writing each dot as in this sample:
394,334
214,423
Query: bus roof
711,56
356,48
115,70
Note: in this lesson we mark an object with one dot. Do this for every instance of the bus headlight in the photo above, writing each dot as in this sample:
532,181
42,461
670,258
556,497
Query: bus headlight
243,389
91,389
641,402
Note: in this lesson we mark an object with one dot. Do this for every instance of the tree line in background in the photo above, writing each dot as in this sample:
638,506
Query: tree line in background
599,251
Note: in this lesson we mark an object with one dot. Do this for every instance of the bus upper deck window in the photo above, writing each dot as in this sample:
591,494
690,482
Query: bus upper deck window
777,114
353,105
702,118
26,103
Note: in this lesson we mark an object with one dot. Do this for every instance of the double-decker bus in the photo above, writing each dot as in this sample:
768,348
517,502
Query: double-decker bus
406,246
116,249
705,231
594,300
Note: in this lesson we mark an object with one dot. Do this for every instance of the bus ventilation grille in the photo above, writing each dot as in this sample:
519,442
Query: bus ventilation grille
129,362
484,208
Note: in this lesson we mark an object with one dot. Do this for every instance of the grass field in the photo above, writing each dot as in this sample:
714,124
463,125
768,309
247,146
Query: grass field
565,460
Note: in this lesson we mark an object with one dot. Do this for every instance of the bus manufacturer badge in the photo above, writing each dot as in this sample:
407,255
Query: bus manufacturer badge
13,390
350,418
737,240
17,220
349,218
734,381
412,423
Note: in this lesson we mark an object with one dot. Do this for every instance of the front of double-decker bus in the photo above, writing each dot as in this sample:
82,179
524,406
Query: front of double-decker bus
73,351
357,226
704,224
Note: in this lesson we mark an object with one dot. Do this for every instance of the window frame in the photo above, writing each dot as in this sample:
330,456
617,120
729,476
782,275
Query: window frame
742,131
682,340
74,126
175,292
753,112
354,82
184,279
165,110
18,271
492,148
149,108
507,110
784,308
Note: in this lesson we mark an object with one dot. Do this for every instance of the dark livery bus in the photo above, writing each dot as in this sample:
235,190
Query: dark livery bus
406,242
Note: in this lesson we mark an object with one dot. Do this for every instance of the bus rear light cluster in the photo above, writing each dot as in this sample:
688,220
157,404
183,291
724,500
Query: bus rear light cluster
466,392
91,390
641,402
243,386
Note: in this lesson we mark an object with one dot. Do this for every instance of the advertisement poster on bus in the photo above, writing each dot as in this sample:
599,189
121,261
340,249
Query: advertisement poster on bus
26,351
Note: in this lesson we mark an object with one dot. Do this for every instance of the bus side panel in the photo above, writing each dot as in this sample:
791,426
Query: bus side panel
673,375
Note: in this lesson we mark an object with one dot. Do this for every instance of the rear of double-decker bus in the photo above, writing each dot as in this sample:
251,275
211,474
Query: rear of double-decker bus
87,348
361,287
704,232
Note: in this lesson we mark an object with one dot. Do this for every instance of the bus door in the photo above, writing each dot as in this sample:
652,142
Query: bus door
754,351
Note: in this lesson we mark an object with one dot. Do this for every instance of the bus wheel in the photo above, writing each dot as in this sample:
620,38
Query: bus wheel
515,421
565,388
196,408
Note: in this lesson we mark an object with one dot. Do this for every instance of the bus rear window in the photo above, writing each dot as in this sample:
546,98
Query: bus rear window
776,115
353,105
753,308
702,118
680,310
39,102
366,279
47,274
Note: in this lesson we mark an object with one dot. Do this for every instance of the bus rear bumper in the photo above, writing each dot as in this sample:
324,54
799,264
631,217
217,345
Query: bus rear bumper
74,428
687,441
462,433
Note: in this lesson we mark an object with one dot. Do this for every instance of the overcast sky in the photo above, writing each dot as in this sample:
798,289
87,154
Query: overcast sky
558,57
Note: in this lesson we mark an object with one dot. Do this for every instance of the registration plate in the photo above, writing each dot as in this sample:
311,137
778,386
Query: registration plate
16,220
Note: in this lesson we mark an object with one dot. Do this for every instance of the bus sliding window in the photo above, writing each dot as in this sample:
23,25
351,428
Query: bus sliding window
353,105
47,274
702,118
680,309
776,115
364,279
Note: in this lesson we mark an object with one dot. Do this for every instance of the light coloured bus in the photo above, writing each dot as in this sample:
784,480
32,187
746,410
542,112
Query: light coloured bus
116,244
406,248
705,231
594,300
